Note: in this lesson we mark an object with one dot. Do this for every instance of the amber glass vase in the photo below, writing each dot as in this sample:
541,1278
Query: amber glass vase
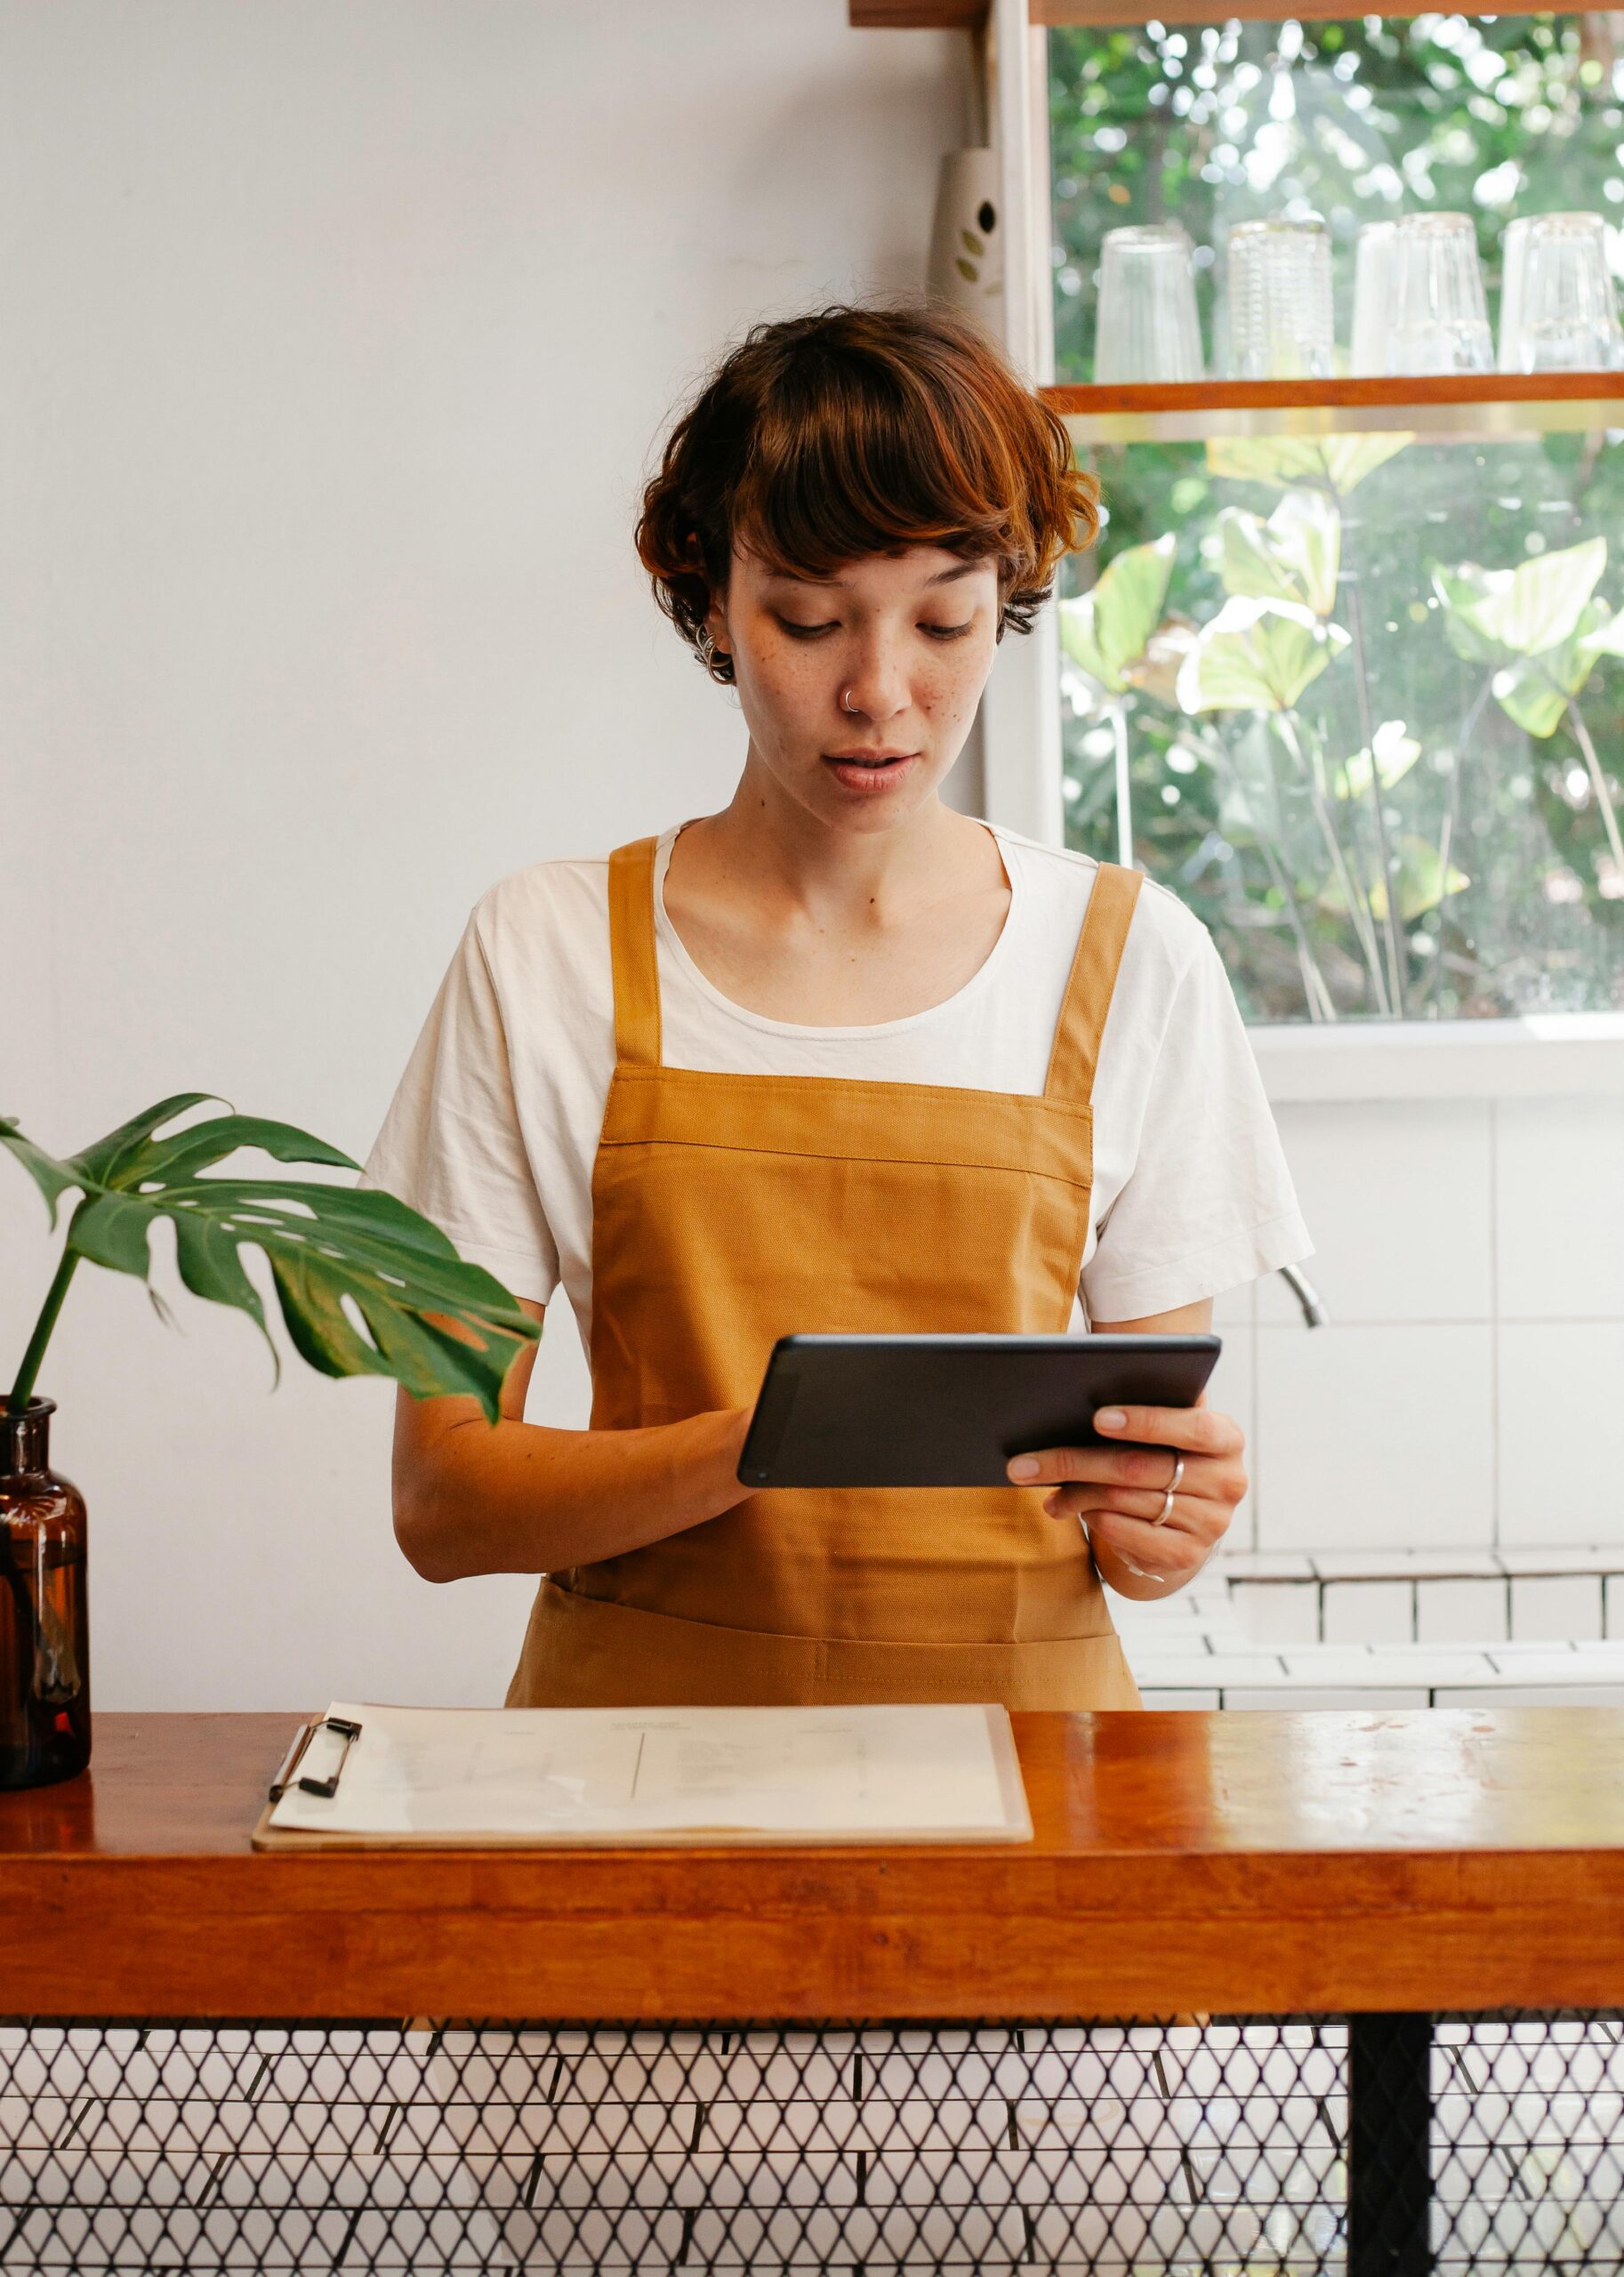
44,1626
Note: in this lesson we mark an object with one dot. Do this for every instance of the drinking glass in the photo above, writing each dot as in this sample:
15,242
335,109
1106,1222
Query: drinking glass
1439,320
1558,308
1279,294
1145,326
1373,297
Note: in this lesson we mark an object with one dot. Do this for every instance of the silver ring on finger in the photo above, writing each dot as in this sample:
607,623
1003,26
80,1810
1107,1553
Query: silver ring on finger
1172,1489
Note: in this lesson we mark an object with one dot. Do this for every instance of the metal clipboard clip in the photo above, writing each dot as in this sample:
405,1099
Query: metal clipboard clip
288,1770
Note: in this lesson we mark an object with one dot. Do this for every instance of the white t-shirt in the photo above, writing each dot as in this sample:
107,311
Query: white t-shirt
492,1130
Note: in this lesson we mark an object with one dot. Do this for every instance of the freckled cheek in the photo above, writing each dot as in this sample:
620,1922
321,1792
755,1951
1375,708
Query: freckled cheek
953,690
782,690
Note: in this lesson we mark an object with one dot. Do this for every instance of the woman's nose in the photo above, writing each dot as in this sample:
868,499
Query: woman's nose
876,687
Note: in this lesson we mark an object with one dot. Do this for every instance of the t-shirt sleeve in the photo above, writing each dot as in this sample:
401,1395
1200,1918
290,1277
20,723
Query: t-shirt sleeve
1210,1201
450,1145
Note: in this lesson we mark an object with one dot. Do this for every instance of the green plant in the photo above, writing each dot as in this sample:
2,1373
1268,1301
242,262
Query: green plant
366,1285
1541,629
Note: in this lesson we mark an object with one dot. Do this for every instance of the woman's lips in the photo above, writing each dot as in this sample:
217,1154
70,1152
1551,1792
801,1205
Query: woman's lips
868,777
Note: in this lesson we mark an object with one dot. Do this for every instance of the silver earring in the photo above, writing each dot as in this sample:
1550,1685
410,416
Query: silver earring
705,646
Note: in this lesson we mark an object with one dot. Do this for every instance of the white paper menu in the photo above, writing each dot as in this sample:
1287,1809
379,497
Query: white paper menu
943,1772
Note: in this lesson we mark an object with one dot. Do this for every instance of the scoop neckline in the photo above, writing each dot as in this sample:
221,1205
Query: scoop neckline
671,940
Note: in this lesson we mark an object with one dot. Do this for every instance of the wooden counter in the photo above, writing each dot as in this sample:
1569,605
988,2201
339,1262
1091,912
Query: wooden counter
1255,1861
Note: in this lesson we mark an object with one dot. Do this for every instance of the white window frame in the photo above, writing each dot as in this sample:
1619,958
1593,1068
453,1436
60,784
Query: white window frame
1557,1053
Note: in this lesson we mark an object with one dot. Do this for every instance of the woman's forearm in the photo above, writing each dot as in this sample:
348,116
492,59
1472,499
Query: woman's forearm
524,1498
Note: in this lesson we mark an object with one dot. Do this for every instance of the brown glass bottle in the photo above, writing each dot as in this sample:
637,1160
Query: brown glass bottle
45,1624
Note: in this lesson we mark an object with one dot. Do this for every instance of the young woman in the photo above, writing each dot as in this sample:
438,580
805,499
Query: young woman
835,1057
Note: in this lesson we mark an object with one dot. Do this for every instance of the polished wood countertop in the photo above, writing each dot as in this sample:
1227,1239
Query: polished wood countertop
1250,1861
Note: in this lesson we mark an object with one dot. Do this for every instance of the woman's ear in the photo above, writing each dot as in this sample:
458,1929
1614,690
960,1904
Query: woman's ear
716,625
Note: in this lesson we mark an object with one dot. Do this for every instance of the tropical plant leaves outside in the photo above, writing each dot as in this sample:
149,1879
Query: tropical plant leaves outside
1395,754
1293,556
1106,631
1536,606
1335,463
1422,882
1257,656
1538,623
357,1273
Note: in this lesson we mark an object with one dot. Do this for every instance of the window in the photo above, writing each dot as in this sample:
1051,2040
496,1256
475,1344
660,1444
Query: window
1350,678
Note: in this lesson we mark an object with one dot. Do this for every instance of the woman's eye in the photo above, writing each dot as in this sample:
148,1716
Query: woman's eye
948,632
804,631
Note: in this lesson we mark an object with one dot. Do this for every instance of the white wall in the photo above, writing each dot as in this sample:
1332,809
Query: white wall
337,341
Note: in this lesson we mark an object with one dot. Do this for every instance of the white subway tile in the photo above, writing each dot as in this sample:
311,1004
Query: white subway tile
1561,1432
1232,1389
1369,1612
1304,1696
1227,1669
1461,1612
1556,1664
1266,1566
1590,1558
1170,1669
1612,1602
1559,1214
1391,1564
1404,1667
1166,1698
1379,1436
1278,1612
1560,1607
1529,1696
1396,1196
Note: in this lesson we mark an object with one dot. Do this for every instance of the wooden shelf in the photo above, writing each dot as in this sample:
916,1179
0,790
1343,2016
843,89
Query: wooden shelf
970,15
918,15
1464,407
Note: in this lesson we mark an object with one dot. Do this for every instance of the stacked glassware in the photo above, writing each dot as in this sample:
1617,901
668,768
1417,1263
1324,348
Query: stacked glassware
1420,307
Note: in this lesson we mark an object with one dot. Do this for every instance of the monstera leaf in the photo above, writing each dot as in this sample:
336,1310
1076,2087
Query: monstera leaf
1107,630
1539,624
1292,557
1335,463
1257,656
343,1260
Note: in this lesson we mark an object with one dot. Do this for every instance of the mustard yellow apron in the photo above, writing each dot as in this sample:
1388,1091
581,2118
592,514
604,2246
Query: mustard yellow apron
730,1210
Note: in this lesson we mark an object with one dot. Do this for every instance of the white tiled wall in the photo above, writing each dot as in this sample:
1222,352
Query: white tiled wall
1468,1391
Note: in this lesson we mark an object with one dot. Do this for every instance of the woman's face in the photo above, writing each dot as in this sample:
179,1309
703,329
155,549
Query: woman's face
907,640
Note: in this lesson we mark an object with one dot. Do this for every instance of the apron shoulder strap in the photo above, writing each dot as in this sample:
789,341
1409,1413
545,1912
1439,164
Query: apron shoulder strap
1081,1023
631,952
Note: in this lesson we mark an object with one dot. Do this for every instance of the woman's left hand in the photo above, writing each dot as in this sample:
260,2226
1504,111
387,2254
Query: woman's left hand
1117,1491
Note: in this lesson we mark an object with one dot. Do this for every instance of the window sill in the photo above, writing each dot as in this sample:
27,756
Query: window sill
1554,1054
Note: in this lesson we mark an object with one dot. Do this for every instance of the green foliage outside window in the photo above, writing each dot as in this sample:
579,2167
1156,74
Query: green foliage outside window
1361,699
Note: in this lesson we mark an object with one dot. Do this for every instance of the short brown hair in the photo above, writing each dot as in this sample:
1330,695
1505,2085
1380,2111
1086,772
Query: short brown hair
863,430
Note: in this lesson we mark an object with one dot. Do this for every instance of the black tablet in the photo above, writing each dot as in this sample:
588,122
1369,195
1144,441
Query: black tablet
950,1410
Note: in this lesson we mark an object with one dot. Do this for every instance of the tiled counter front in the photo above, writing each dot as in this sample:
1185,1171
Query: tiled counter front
1337,1630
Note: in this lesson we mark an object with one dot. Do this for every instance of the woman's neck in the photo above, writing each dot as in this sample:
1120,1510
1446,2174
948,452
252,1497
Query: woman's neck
832,929
791,863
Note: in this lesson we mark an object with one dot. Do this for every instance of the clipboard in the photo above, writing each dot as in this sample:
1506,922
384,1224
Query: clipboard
379,1777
